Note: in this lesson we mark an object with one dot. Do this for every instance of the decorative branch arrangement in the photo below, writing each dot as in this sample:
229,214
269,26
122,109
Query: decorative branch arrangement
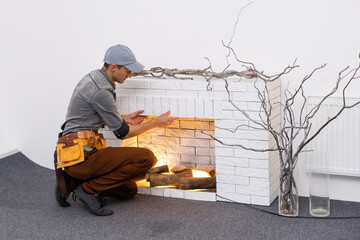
296,126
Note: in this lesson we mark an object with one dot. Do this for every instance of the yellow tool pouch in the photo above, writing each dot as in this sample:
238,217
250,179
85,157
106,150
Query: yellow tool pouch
70,149
68,156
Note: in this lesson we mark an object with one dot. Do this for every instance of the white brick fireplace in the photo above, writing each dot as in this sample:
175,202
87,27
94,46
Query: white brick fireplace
241,176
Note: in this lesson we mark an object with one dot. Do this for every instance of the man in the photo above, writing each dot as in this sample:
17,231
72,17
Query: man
83,162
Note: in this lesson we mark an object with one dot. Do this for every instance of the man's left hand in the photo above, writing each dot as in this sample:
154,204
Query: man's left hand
135,117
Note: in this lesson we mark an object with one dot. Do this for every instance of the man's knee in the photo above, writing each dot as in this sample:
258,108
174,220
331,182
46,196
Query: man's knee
148,157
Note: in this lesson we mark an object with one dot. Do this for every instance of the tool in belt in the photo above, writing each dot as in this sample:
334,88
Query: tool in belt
70,149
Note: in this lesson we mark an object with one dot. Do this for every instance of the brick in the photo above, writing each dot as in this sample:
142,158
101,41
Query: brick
133,83
143,190
157,191
252,134
149,106
165,84
259,182
199,108
125,92
187,158
218,109
113,143
208,108
161,140
173,149
193,85
202,159
202,196
258,200
226,152
228,114
190,107
157,132
128,141
227,105
227,170
232,197
232,161
140,103
213,94
238,152
194,142
230,188
259,144
165,104
204,136
251,172
182,93
157,106
173,107
144,138
232,179
187,150
149,92
255,163
179,133
177,193
251,190
205,151
181,107
123,105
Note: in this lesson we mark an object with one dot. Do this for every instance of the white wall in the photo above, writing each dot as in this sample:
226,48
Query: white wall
47,46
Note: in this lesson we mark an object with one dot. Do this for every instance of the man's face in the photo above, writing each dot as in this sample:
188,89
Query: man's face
121,74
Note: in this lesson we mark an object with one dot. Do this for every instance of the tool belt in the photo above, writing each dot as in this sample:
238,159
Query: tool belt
70,149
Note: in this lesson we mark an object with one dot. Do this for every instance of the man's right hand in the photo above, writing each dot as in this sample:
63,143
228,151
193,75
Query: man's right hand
164,120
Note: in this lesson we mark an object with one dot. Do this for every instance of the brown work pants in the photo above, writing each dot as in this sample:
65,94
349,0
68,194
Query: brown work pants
113,171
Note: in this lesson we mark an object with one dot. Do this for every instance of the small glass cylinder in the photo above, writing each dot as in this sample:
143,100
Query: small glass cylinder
319,194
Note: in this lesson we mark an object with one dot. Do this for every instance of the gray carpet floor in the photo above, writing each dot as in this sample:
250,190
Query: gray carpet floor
28,211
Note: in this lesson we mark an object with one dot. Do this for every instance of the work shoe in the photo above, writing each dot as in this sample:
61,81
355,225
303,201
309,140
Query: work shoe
95,203
61,201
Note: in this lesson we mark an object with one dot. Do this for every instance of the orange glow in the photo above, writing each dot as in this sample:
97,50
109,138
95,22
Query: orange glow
200,174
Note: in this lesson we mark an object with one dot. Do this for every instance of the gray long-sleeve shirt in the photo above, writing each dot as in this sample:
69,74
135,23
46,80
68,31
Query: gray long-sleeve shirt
93,104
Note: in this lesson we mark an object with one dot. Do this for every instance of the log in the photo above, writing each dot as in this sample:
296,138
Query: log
197,183
178,169
156,170
160,169
157,179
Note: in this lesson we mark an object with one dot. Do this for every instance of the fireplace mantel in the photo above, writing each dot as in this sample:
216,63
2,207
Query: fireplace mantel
242,176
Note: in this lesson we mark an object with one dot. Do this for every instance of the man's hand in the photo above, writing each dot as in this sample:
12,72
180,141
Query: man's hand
164,120
135,117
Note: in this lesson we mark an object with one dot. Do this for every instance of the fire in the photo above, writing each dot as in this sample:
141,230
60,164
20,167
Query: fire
200,174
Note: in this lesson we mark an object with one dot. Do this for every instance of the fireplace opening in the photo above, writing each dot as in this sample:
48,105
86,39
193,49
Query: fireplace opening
186,157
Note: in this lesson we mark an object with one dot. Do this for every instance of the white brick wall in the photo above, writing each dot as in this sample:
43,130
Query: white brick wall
242,176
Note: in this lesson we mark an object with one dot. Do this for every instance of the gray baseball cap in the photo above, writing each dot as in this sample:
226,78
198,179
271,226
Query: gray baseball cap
122,55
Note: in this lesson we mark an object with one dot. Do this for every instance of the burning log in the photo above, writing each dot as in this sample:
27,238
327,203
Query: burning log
159,169
156,170
197,183
157,179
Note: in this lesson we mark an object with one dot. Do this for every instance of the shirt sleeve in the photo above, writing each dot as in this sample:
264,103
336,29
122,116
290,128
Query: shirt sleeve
103,102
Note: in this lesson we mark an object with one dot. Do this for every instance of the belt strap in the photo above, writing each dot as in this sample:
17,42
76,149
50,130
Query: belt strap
68,139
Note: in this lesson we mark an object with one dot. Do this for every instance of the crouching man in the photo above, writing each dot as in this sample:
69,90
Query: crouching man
83,163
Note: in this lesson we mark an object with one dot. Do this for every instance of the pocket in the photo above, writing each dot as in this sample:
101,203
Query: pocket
100,143
68,156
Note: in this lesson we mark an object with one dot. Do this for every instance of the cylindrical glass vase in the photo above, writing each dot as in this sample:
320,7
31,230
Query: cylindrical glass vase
288,195
319,201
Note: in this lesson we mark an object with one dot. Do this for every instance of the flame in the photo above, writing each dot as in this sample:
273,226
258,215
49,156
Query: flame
200,174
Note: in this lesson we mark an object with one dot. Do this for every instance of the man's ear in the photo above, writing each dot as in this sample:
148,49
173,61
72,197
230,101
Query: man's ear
113,67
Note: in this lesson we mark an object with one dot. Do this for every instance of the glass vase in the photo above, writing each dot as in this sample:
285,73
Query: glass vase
288,196
319,200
